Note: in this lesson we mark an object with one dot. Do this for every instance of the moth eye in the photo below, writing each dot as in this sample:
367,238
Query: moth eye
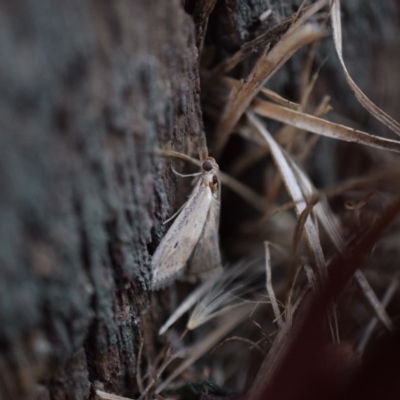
207,166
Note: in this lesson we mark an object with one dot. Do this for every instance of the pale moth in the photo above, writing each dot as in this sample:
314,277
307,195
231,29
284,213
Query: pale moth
192,239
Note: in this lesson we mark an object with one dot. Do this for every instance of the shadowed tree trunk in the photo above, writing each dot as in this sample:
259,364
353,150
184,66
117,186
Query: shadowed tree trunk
88,91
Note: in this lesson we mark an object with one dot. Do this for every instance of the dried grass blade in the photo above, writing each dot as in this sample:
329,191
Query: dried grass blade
279,99
254,45
387,297
321,209
186,305
139,379
160,370
310,277
299,228
247,159
196,319
362,98
295,192
307,14
100,395
332,229
307,90
252,344
289,306
202,11
227,293
270,288
321,126
243,191
239,99
310,339
373,300
199,349
279,349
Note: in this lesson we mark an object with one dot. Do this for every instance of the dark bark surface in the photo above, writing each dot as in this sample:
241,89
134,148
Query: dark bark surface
88,90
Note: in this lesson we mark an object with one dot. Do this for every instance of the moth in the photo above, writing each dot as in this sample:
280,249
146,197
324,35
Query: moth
192,239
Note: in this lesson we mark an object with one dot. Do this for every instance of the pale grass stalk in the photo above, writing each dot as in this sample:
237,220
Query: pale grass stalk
307,14
310,277
332,229
139,379
270,289
289,308
387,297
239,99
373,300
362,98
100,395
265,15
323,107
240,339
187,304
279,99
299,228
199,349
171,358
247,159
202,12
226,294
207,309
295,192
262,40
322,127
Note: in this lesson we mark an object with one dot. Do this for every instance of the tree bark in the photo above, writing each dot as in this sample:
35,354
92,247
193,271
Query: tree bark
89,90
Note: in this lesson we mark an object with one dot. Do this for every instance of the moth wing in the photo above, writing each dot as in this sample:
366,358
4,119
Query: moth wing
206,258
179,242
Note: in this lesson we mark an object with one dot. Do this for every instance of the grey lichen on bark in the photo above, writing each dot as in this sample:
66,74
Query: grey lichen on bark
88,91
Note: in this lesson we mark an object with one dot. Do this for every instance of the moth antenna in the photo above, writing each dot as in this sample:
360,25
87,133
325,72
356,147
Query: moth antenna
184,175
258,202
203,152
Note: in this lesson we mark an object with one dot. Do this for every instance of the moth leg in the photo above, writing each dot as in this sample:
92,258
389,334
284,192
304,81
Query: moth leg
175,214
184,175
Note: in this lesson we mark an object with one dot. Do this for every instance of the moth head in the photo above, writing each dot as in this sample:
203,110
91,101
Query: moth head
210,167
209,164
